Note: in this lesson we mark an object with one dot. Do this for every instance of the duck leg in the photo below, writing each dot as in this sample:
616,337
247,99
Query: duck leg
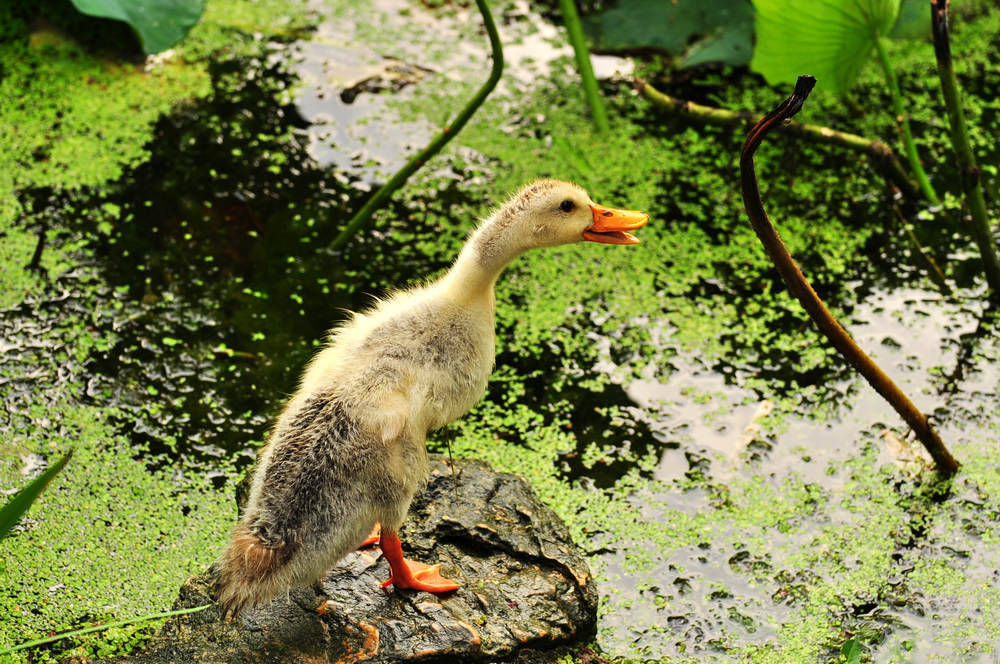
411,574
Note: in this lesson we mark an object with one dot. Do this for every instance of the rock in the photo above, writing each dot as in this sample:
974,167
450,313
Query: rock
525,586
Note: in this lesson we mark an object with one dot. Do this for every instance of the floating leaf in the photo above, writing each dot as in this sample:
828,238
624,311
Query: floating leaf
159,23
697,31
829,39
12,512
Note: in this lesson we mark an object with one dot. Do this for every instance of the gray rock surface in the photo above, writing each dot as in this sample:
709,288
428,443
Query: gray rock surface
525,586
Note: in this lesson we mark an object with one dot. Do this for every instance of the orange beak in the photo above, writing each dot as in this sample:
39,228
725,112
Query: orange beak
610,225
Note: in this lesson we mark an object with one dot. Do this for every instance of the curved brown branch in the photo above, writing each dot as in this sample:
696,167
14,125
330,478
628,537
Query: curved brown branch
797,283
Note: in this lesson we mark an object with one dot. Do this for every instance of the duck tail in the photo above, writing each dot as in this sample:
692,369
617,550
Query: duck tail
247,572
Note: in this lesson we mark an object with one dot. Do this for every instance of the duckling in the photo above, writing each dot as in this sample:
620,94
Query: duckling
348,451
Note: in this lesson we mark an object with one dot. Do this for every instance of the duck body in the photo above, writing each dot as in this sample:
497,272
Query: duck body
348,450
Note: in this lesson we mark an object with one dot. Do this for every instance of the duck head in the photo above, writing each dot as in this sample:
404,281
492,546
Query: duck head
544,213
548,213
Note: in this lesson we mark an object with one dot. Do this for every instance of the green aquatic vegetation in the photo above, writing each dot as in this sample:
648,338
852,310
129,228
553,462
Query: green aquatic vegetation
881,155
68,140
91,115
16,251
81,119
941,232
143,530
766,522
952,567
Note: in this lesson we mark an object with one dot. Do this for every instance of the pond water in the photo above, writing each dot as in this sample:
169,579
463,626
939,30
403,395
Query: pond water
719,531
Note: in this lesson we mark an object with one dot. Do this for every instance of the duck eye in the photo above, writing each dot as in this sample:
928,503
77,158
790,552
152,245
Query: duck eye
567,206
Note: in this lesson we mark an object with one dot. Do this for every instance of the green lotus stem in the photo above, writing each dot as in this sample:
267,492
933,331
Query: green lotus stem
98,628
963,149
904,123
880,153
803,291
364,215
575,29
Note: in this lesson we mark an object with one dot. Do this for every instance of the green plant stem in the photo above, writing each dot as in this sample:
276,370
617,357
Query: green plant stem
16,507
98,628
800,287
963,149
904,123
447,133
883,156
575,29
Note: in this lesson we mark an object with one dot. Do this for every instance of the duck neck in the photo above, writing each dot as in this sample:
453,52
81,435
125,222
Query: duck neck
482,259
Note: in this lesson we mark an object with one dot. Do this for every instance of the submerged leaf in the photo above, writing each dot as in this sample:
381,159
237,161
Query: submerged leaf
159,23
12,512
829,39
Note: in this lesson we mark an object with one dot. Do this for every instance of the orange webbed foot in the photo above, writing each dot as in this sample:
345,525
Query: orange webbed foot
409,573
421,577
